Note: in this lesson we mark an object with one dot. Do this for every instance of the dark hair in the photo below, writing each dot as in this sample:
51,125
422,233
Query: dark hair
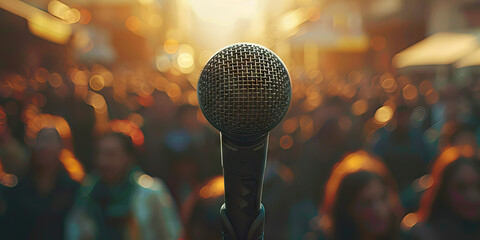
52,130
451,158
348,178
125,141
348,190
434,202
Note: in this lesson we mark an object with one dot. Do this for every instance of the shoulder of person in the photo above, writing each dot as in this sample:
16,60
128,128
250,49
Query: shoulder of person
149,187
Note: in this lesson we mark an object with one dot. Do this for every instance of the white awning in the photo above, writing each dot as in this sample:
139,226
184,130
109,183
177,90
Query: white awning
438,49
472,59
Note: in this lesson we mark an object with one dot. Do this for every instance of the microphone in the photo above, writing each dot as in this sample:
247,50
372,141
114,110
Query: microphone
244,91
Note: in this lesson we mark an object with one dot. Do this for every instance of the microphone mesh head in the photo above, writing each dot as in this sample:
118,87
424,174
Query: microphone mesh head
244,90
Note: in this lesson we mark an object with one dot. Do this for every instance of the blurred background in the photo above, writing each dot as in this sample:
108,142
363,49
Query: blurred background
396,78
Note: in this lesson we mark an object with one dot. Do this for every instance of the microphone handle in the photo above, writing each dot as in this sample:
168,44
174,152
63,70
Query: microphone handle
243,215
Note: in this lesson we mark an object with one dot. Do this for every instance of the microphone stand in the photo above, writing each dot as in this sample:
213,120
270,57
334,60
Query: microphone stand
242,214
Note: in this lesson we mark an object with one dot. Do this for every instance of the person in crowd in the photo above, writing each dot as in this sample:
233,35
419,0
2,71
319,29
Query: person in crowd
361,202
450,207
452,134
402,149
119,201
330,144
37,207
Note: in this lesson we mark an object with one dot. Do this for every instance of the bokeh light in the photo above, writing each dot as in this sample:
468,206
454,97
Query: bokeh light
72,165
409,92
214,188
384,114
409,221
97,82
359,107
170,46
286,142
128,128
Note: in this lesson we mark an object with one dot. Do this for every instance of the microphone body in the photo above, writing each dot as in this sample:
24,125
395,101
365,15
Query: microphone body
244,91
243,171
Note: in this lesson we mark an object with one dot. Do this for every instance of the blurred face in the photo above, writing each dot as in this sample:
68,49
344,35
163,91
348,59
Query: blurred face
112,161
47,148
371,210
463,192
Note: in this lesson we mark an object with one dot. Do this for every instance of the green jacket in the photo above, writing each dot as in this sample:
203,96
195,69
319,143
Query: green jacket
140,208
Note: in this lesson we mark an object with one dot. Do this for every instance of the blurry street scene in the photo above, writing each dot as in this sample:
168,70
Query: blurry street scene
102,137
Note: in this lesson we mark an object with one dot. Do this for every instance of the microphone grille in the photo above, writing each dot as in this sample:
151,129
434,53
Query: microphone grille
244,90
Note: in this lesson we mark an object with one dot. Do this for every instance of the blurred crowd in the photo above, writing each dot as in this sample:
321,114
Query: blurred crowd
409,172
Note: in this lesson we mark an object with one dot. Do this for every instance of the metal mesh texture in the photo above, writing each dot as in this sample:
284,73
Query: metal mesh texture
244,90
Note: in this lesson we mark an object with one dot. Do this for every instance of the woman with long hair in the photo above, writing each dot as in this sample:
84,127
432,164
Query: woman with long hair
361,201
450,207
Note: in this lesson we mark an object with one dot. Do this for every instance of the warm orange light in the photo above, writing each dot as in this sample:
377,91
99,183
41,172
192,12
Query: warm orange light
163,63
383,114
72,165
97,82
170,46
425,86
161,83
213,189
29,113
36,122
133,23
359,107
409,221
9,180
306,127
136,118
55,80
3,116
86,16
98,102
80,78
41,75
378,43
192,98
145,101
349,91
286,142
129,128
185,60
57,8
431,97
201,118
174,91
438,49
389,84
39,100
290,125
155,20
409,92
313,14
72,15
424,182
292,19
